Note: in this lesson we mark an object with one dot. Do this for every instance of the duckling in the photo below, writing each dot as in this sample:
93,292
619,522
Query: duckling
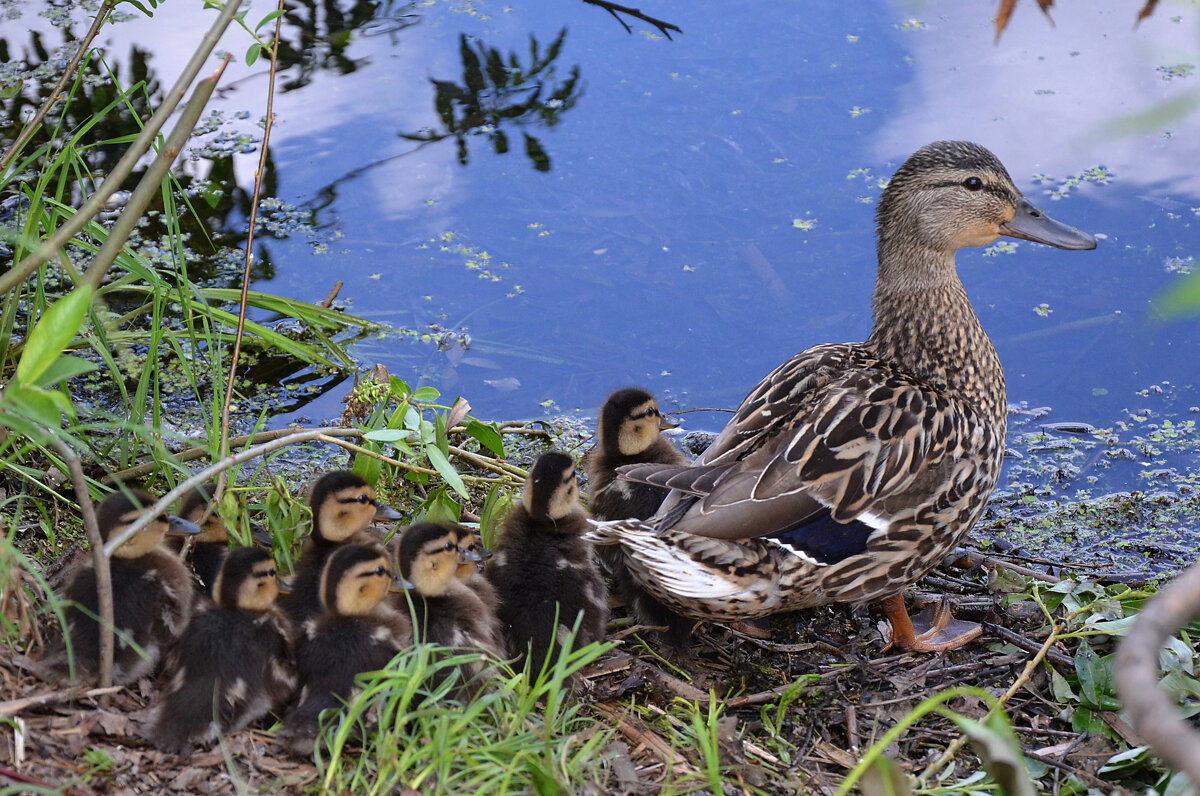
543,571
211,545
343,505
151,591
629,432
470,570
359,632
446,612
852,469
233,663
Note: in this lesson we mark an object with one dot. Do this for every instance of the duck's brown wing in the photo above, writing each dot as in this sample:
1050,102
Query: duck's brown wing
829,433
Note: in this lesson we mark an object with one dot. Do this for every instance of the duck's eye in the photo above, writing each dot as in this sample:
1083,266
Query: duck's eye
363,499
972,183
380,570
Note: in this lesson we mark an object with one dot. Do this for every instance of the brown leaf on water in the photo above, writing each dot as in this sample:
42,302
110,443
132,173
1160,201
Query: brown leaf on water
1146,11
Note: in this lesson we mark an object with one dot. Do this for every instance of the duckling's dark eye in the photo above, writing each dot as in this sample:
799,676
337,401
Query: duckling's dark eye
364,499
380,570
972,183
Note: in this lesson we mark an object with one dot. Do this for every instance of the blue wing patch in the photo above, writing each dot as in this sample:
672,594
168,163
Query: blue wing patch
825,539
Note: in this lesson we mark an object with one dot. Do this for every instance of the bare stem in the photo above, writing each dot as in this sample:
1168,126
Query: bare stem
104,592
223,447
1154,714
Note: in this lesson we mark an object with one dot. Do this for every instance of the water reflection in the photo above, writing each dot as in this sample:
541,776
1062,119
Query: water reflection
497,91
1082,92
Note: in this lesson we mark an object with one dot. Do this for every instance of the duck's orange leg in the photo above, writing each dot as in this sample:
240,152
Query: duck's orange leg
931,630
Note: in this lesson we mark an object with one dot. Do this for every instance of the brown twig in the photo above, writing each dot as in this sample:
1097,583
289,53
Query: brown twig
104,594
35,121
223,446
14,706
1154,715
1029,645
614,8
638,734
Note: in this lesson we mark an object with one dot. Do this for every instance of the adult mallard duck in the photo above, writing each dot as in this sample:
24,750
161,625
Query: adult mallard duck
852,469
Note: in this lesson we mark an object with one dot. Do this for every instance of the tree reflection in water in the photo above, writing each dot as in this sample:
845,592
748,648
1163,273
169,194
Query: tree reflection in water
497,91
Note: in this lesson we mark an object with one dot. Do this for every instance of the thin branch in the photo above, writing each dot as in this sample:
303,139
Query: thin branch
14,706
50,247
223,446
1154,714
104,592
35,122
613,8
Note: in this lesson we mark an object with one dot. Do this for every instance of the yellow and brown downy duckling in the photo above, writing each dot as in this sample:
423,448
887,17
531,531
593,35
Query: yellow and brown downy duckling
852,469
446,611
151,591
629,432
470,570
543,570
343,507
211,545
233,663
358,632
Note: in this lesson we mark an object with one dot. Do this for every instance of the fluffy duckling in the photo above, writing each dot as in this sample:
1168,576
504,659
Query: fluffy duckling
211,545
343,506
470,570
151,590
446,611
359,632
233,663
543,571
629,432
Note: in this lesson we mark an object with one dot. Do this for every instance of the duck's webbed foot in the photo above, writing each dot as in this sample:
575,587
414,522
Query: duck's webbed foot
932,630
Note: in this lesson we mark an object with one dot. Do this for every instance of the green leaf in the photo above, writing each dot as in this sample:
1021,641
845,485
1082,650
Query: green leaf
399,387
426,394
447,471
997,748
58,326
885,778
388,435
440,508
1126,763
35,403
367,467
1094,679
488,436
65,367
495,508
440,438
252,53
268,18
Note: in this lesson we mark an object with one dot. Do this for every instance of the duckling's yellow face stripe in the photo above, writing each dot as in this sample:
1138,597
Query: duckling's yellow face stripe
260,588
640,428
144,541
363,587
435,566
565,496
346,512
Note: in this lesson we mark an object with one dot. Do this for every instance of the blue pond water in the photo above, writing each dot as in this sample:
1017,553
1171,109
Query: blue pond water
707,205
